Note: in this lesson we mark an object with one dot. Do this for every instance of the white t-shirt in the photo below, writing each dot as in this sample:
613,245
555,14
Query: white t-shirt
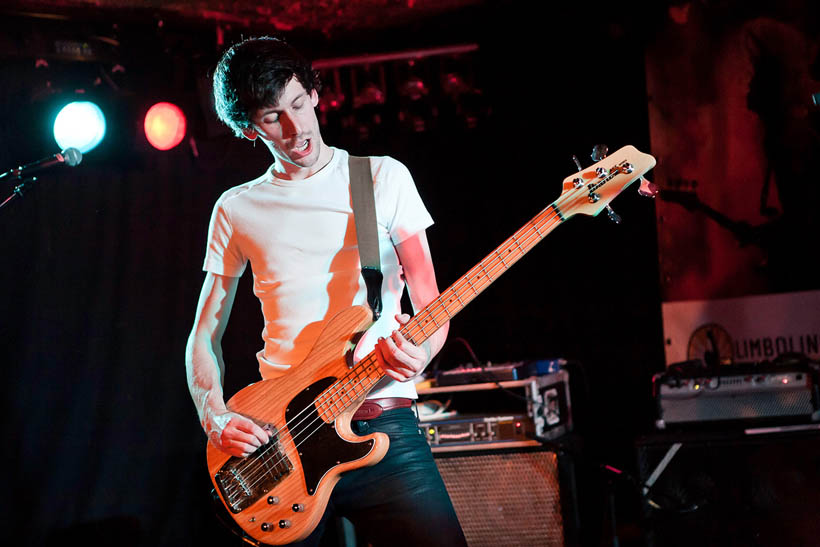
300,239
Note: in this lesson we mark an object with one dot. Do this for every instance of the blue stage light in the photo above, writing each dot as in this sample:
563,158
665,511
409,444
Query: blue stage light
81,125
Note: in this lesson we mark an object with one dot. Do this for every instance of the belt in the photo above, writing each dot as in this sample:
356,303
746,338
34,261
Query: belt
373,408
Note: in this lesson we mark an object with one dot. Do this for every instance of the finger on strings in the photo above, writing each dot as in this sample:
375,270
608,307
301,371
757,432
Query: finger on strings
387,366
398,358
248,426
237,438
413,351
238,448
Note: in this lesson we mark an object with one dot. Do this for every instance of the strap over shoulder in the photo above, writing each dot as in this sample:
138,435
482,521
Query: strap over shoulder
364,214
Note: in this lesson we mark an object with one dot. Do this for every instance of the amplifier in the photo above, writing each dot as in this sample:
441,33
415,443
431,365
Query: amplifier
480,431
485,421
747,394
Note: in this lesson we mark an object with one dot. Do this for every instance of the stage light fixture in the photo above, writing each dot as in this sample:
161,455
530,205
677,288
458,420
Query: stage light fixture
165,125
80,125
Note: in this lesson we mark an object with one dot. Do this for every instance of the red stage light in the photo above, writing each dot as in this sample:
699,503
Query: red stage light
164,126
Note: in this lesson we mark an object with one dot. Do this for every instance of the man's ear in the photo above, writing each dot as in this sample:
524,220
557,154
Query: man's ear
314,97
250,133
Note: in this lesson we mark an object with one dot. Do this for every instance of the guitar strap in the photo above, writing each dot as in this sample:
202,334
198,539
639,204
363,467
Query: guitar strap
364,213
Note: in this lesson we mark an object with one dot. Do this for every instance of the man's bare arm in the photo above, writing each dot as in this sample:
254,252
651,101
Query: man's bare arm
401,359
205,369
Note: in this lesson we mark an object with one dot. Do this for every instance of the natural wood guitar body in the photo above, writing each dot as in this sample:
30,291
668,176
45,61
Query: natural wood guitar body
289,511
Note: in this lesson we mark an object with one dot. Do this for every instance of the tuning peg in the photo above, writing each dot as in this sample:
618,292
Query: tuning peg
577,163
647,188
613,216
599,152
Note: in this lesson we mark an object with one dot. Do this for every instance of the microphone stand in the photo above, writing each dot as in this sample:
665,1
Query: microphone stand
70,156
18,189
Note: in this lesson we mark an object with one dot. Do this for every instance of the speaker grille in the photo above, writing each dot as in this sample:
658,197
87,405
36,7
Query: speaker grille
747,406
506,498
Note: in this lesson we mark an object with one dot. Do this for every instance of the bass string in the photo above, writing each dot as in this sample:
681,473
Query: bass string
257,473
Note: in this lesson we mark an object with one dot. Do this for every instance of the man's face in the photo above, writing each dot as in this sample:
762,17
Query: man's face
290,128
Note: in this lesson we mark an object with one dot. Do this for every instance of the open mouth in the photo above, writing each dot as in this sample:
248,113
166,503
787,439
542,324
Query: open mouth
302,150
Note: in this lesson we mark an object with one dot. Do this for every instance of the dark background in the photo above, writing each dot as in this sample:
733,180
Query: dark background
102,263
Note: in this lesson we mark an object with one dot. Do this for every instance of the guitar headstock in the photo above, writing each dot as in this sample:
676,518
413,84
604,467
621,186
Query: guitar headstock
590,190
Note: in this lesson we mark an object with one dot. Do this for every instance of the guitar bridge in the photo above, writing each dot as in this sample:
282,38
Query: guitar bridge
242,481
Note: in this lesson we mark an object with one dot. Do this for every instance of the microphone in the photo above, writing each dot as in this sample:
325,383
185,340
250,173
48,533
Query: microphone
69,156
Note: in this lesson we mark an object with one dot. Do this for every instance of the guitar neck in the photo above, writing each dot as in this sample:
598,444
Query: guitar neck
367,373
586,192
470,285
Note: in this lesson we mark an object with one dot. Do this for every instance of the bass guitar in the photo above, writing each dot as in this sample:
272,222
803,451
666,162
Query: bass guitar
278,494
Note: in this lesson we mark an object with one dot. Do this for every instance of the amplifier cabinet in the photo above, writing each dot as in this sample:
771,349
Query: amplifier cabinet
519,497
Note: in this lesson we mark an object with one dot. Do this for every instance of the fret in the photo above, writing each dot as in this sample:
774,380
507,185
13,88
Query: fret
479,281
470,283
501,257
558,212
347,397
444,309
433,319
483,269
520,248
333,410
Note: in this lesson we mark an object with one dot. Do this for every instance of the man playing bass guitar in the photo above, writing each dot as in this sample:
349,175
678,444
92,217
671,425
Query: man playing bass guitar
295,226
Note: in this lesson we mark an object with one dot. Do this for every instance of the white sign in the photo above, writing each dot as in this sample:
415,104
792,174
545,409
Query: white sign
743,330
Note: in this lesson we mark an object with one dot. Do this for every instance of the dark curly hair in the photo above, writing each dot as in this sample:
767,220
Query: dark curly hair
252,74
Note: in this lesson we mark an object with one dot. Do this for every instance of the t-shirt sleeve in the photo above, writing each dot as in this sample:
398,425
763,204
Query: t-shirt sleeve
398,204
223,255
